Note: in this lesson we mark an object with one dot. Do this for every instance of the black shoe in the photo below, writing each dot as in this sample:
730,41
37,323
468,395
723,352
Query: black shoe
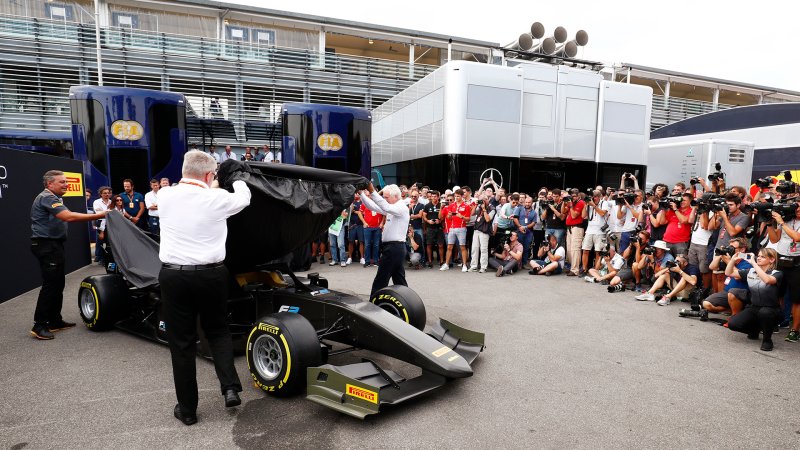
187,419
766,345
58,326
532,272
232,398
42,333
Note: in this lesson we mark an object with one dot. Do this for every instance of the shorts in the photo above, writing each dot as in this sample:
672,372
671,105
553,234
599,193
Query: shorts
457,234
625,274
679,248
434,236
743,295
322,238
598,241
698,256
356,234
557,271
718,299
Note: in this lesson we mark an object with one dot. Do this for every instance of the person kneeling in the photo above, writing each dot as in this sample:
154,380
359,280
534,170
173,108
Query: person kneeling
678,275
553,254
762,311
506,261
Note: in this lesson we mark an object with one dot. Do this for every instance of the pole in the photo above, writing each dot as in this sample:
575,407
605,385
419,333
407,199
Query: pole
97,42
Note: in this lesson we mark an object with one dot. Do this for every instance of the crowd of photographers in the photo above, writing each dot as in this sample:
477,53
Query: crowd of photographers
724,252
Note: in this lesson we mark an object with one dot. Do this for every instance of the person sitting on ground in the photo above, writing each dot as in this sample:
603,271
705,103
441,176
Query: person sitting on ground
681,276
651,263
607,268
763,310
632,255
718,301
506,262
554,255
414,242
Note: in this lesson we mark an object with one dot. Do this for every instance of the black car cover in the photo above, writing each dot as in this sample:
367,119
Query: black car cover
135,254
290,205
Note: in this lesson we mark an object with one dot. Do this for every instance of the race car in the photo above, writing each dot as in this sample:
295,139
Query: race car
289,326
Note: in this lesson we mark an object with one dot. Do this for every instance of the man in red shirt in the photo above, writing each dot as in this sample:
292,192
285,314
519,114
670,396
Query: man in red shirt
457,213
573,210
679,228
373,222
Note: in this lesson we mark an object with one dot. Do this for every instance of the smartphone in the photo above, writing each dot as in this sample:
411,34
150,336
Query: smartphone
742,255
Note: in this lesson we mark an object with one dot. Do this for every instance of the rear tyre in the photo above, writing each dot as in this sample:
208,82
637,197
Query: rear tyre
279,350
102,301
402,302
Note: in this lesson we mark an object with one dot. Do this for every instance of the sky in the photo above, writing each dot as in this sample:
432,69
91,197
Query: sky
731,40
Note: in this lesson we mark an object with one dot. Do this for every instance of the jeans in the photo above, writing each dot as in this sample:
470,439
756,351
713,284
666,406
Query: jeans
338,254
153,224
372,243
508,266
624,241
525,239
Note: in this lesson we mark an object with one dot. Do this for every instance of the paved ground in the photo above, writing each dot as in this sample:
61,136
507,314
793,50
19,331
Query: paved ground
567,366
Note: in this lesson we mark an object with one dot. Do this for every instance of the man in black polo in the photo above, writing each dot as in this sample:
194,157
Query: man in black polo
193,278
49,219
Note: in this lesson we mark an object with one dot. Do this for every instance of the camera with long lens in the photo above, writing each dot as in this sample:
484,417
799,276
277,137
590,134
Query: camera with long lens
718,175
671,264
725,250
695,301
502,241
665,202
786,187
618,288
623,197
787,210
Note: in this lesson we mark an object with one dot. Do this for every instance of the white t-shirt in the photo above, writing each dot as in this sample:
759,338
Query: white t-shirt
596,221
628,222
699,235
559,252
617,262
98,206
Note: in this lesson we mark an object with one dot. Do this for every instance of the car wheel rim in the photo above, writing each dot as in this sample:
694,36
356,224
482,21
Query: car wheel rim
88,304
391,309
268,357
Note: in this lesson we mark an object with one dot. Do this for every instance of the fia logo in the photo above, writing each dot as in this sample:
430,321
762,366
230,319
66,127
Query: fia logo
3,176
291,309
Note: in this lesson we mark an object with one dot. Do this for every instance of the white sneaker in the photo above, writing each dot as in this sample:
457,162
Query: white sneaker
473,269
362,262
646,297
332,263
444,267
464,268
349,261
664,301
344,264
589,279
483,270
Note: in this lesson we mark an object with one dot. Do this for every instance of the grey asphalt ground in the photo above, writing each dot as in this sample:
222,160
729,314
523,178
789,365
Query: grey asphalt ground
567,365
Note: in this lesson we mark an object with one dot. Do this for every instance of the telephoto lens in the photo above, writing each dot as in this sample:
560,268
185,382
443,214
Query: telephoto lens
618,288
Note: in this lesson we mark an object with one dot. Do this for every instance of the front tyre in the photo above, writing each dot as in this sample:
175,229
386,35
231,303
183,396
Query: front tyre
279,350
401,301
102,301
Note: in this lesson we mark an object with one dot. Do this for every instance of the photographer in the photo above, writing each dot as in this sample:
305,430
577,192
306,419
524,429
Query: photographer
678,230
434,235
632,255
718,301
787,235
681,276
608,266
483,229
458,213
627,217
595,238
730,221
572,210
553,253
762,312
652,260
626,180
414,243
525,218
698,244
650,211
539,205
506,262
553,218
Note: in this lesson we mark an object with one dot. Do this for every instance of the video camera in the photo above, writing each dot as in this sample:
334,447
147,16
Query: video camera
621,198
718,175
711,202
786,209
786,186
664,202
764,183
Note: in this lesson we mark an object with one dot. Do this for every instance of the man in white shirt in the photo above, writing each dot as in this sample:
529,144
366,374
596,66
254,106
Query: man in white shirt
595,211
101,204
626,218
393,240
193,278
227,154
212,150
151,203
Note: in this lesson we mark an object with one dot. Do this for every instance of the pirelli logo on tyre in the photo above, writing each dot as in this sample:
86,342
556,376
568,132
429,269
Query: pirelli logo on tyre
363,394
268,328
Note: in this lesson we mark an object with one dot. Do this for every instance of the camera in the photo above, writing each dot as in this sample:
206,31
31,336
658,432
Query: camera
648,250
671,264
718,175
726,250
618,288
764,183
646,206
621,198
544,244
694,180
567,199
695,300
480,202
786,187
627,175
502,241
665,202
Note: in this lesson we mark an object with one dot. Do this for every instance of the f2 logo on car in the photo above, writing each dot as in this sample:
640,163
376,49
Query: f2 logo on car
290,309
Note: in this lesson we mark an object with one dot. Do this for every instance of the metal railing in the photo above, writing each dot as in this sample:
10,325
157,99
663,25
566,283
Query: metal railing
41,59
677,109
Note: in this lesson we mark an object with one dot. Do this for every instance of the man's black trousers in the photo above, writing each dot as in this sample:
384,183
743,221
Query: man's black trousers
50,253
393,257
187,294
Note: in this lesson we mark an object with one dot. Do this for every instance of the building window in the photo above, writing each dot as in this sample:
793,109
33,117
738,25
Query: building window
125,20
263,37
58,11
239,34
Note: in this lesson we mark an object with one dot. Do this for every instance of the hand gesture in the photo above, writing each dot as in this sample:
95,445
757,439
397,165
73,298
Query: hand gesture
777,218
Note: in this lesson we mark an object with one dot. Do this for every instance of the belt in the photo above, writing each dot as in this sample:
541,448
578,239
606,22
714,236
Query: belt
197,267
48,239
393,242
